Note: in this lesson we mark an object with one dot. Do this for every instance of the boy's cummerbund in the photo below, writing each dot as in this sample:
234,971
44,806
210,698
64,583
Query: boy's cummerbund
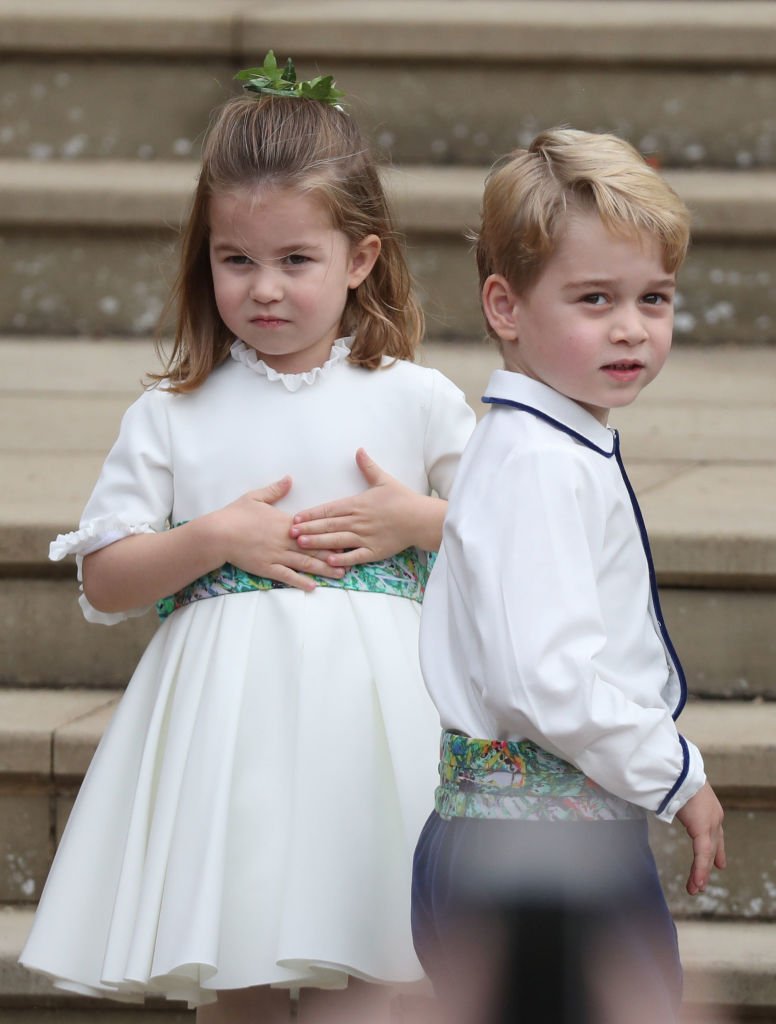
515,779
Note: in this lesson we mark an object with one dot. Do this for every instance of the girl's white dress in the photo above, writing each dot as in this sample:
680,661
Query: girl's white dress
250,815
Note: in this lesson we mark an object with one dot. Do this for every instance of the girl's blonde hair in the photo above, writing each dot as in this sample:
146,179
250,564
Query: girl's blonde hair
318,149
530,193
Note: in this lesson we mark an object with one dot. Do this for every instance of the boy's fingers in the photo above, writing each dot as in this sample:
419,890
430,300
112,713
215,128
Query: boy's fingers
720,860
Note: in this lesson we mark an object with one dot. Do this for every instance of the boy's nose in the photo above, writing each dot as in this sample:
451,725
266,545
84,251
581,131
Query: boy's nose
629,328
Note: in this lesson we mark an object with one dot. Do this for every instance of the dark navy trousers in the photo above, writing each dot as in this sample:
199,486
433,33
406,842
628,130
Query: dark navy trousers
559,922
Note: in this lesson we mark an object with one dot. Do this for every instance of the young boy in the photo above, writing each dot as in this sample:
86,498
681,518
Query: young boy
542,640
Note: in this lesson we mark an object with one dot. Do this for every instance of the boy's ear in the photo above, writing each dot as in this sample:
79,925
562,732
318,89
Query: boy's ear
499,304
363,256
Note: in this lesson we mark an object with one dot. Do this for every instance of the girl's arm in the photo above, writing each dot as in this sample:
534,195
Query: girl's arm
367,527
140,569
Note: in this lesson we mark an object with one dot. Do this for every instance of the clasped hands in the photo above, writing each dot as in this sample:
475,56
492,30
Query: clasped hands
327,540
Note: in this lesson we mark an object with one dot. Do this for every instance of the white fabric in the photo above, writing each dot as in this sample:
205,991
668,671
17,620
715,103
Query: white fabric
251,812
538,620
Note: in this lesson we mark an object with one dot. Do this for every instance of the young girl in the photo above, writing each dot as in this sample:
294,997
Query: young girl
249,817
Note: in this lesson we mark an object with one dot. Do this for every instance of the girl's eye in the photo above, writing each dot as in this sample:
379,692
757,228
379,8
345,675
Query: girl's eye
239,259
296,259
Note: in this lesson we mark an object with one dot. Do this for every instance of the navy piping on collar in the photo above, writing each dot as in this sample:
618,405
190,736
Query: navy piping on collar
553,422
650,563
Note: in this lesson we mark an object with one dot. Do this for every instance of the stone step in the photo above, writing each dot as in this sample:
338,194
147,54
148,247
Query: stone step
431,81
728,969
87,247
47,739
698,446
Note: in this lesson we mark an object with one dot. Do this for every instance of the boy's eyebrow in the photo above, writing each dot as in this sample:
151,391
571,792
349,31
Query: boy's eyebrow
599,282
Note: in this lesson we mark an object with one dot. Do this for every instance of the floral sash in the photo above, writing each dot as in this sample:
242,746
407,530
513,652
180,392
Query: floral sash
402,575
515,779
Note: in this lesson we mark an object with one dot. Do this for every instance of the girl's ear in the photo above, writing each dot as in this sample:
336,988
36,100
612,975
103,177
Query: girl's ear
500,306
363,256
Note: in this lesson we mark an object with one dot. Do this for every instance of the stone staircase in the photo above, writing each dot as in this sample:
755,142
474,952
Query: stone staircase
101,109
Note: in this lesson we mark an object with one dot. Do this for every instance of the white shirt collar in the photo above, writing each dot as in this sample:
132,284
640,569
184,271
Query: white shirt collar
564,413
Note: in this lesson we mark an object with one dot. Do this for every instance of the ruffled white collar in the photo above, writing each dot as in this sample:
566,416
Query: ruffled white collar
248,356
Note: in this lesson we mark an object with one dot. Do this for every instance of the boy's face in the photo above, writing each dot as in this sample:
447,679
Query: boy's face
596,325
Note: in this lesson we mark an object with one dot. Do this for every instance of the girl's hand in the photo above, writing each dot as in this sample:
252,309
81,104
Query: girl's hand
702,817
256,538
372,525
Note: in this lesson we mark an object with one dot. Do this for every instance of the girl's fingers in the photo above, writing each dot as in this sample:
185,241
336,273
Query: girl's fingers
333,542
315,527
356,556
330,511
313,566
283,574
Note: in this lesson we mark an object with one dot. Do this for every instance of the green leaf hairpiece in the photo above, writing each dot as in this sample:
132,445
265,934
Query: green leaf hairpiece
270,80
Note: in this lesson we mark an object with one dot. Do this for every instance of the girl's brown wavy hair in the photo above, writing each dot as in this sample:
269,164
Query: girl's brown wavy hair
318,149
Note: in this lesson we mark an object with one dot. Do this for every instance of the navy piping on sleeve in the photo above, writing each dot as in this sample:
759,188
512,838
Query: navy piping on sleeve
682,775
642,531
653,583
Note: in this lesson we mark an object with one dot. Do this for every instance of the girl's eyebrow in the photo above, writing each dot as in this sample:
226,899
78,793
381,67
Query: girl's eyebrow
284,250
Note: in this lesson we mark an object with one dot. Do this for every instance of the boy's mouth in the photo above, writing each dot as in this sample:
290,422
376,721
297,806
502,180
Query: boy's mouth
623,370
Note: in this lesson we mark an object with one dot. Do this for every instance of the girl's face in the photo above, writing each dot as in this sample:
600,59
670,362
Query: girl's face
282,272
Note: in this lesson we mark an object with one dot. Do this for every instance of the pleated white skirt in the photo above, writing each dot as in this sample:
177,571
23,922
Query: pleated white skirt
250,815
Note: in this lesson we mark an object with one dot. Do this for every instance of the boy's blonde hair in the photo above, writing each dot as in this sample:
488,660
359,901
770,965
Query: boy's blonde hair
530,193
317,149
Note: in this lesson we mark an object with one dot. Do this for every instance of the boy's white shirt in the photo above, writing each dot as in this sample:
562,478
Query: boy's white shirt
538,620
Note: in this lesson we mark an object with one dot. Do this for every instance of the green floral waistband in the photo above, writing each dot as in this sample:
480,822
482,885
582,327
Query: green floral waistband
515,779
402,575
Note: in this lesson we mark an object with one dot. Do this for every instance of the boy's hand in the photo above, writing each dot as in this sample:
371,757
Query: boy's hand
702,817
365,527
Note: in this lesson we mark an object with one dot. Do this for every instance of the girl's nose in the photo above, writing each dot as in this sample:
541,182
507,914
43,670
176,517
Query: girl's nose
266,285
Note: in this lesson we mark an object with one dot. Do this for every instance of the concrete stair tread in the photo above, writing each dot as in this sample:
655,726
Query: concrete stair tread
644,31
697,443
47,733
53,733
428,199
725,962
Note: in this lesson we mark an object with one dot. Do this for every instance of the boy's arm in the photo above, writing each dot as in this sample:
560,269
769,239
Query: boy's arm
527,549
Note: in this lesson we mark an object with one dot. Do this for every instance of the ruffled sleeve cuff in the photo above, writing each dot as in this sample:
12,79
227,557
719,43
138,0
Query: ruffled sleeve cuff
92,536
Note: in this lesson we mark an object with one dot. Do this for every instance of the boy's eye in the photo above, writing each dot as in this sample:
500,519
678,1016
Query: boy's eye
595,299
656,299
